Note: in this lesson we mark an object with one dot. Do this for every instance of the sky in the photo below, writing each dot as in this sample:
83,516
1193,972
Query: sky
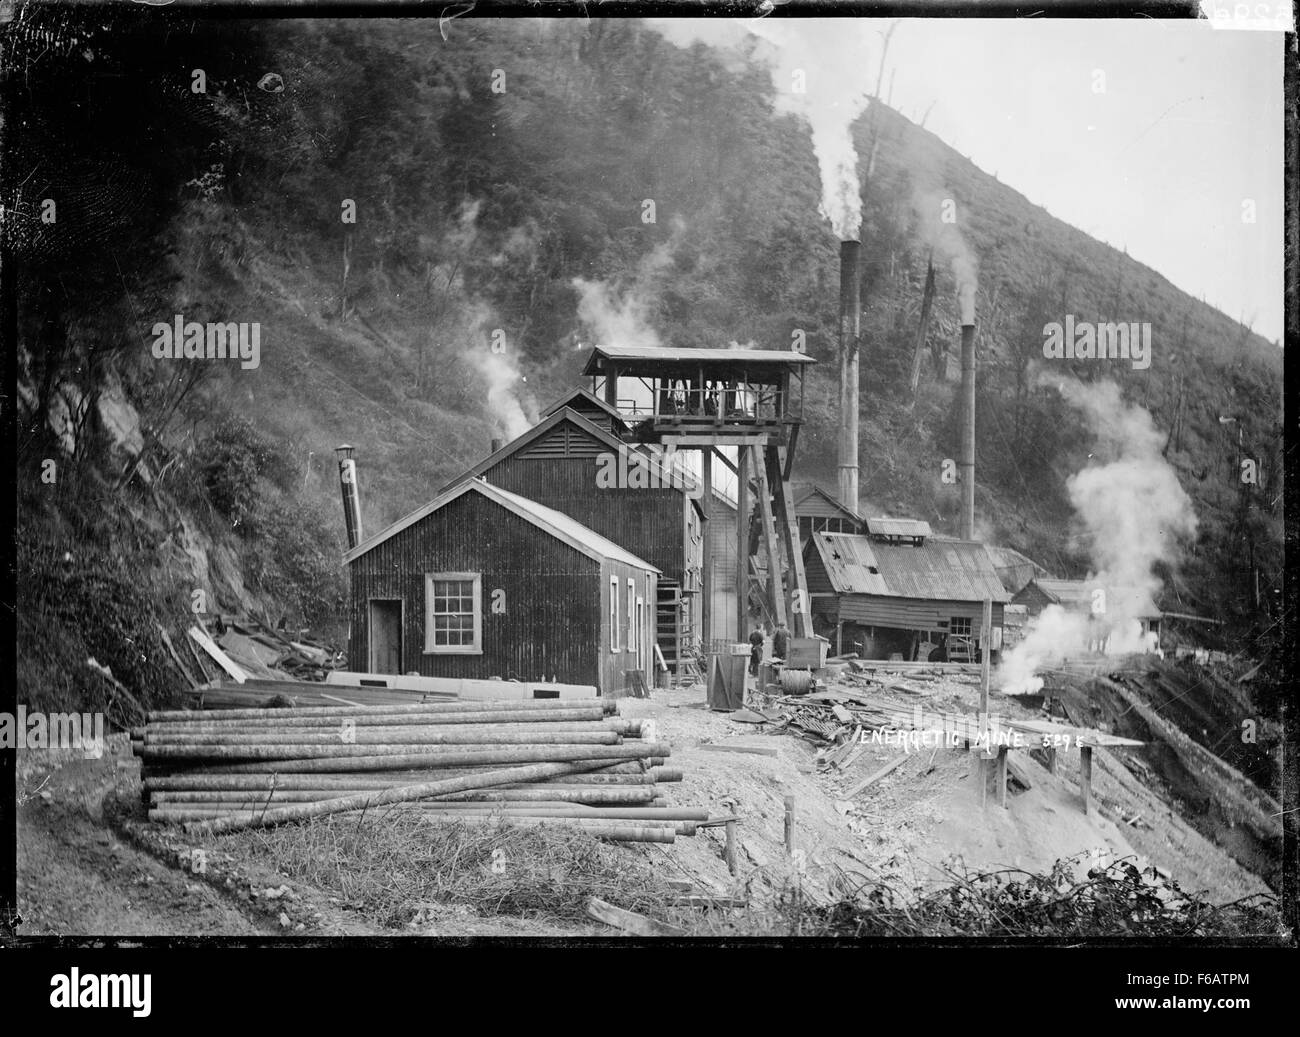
1153,136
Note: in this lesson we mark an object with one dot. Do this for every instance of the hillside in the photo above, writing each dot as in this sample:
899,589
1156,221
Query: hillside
513,218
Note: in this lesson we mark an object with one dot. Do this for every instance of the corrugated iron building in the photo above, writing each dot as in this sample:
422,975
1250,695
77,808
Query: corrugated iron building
894,591
576,463
482,582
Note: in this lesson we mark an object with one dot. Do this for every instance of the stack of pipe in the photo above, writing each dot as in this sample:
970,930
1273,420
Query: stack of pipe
532,762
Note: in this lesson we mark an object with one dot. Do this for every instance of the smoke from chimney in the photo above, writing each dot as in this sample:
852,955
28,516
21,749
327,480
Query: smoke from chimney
967,466
850,330
351,499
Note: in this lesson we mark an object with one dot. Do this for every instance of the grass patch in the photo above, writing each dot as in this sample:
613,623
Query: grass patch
389,864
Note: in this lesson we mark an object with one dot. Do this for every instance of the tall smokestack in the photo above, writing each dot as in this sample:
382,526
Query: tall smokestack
850,330
351,501
966,297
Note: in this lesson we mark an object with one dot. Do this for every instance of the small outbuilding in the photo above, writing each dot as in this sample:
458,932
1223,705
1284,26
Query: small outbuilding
483,583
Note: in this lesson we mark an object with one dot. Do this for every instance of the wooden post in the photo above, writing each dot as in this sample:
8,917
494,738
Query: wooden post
776,599
789,826
787,525
742,544
986,641
706,557
1085,775
1002,776
1051,760
730,804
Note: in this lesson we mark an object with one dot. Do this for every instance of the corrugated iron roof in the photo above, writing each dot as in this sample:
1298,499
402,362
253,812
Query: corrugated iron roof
559,525
574,395
1134,601
898,527
943,570
665,354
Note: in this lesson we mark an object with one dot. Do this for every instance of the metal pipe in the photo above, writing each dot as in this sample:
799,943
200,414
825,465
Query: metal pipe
849,338
351,499
405,794
591,754
380,739
544,794
541,707
399,729
192,781
967,466
451,755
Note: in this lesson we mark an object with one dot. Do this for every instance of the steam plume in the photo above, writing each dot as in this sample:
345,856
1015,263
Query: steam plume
1134,513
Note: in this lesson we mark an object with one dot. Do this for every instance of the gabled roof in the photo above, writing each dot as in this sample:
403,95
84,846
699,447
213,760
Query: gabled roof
662,354
813,490
1078,594
898,527
558,525
1015,570
579,398
940,569
541,428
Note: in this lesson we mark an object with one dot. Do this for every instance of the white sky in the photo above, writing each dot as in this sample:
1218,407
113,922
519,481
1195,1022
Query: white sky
1189,125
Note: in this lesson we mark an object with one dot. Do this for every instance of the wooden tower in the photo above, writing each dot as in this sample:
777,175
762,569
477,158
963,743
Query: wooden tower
703,399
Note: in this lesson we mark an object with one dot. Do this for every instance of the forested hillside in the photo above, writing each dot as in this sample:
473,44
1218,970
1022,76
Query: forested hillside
499,178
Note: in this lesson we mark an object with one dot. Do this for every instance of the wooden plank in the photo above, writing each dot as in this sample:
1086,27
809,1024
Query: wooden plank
986,643
218,656
776,597
788,527
171,650
753,750
1018,772
1001,776
888,768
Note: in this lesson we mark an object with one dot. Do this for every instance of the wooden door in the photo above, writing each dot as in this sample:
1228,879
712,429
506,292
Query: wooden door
385,636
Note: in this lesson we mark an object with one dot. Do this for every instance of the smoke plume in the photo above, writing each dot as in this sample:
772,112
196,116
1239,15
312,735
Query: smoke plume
936,216
1134,514
821,73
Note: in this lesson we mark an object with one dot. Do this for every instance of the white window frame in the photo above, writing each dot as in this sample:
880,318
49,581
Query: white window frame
613,614
473,648
632,637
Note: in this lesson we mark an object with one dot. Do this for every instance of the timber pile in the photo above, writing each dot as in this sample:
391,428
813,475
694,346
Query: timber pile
531,762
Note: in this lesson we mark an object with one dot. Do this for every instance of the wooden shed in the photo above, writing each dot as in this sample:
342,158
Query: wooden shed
482,582
895,592
573,460
1092,598
819,512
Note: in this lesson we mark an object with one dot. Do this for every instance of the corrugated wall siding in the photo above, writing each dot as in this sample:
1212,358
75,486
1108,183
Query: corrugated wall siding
646,522
908,613
552,595
722,545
